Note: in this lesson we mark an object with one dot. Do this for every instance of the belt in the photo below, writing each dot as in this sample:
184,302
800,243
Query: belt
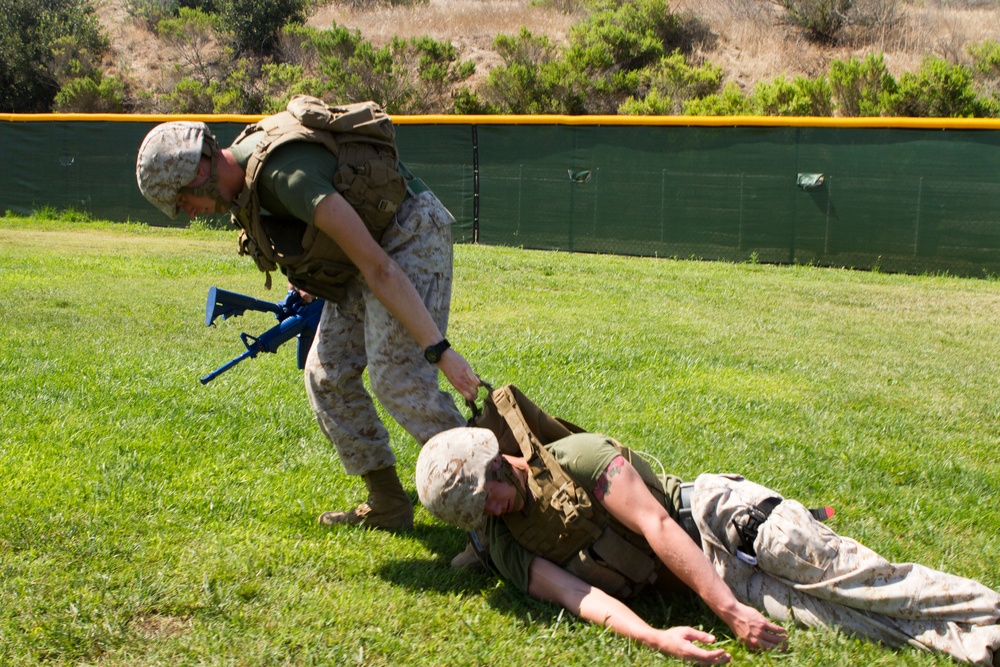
749,526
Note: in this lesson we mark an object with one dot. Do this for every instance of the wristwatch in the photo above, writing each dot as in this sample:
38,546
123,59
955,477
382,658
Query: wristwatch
433,352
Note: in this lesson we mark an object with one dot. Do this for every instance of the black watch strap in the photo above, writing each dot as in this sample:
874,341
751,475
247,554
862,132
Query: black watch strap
432,353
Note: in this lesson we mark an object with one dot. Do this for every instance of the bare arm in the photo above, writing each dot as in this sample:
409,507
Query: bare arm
554,584
338,220
623,493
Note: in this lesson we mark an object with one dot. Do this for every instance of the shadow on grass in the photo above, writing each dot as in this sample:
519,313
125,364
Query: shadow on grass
658,609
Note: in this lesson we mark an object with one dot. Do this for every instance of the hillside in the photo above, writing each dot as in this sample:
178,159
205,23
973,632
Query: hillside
751,40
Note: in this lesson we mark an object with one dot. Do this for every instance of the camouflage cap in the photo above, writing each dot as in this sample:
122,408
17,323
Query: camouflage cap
451,475
168,160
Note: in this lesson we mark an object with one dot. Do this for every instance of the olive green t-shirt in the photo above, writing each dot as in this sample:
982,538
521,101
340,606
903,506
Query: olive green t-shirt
294,179
584,457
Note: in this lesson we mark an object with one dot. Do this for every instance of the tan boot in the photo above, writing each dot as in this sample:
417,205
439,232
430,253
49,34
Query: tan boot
387,508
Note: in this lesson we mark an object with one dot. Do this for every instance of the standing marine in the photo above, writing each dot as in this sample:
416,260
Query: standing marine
319,193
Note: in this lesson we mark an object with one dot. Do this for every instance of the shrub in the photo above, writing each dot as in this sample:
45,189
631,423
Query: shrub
254,24
241,91
190,96
862,87
192,35
671,83
367,5
404,76
601,67
986,68
91,94
986,58
279,81
799,97
148,13
939,90
207,6
30,32
623,35
822,19
730,102
532,80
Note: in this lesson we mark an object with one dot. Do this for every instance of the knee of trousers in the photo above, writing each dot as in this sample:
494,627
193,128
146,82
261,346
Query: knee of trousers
719,499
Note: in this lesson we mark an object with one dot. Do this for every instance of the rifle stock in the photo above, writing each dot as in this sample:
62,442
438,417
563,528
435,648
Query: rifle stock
296,319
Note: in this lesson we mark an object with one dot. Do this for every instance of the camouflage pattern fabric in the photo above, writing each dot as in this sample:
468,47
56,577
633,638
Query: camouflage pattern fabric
168,160
808,574
358,331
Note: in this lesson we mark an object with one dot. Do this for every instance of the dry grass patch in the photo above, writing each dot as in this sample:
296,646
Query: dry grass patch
755,43
470,25
156,627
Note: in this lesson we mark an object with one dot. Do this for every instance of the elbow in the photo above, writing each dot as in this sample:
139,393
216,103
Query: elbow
382,272
550,583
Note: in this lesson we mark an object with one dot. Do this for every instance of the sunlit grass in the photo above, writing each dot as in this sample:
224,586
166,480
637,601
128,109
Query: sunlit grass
149,520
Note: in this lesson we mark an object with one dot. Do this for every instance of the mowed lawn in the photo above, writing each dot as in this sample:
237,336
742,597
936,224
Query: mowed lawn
146,519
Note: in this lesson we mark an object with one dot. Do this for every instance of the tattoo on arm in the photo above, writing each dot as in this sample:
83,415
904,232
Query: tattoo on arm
603,486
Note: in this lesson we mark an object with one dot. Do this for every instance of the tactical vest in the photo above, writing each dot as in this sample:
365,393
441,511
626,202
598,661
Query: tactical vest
362,138
564,525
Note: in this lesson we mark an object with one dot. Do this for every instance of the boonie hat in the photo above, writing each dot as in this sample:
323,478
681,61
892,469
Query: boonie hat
168,160
452,472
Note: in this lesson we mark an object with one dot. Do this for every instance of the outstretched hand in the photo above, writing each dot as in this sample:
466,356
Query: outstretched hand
754,630
679,642
459,373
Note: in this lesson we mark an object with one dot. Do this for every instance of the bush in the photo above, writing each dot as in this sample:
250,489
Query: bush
730,102
822,19
404,76
254,24
939,90
91,94
30,32
532,80
279,81
986,69
374,4
190,96
599,70
192,35
799,97
623,35
862,87
148,13
240,91
207,6
671,83
986,58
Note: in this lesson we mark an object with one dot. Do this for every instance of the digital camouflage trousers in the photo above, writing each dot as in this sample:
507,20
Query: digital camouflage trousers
807,574
357,332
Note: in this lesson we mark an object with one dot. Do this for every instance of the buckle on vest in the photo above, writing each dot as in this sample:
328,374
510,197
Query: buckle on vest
562,501
386,206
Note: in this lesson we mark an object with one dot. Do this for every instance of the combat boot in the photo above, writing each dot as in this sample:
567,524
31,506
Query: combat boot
387,508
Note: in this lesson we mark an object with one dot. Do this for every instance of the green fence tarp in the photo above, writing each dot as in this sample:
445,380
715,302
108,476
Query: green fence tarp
902,199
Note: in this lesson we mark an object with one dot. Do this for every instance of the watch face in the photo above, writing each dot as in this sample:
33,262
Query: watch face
432,353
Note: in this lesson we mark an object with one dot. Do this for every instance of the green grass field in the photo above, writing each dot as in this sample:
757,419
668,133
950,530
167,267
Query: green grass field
146,519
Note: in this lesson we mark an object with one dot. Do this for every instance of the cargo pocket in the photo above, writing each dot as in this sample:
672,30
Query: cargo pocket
793,545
